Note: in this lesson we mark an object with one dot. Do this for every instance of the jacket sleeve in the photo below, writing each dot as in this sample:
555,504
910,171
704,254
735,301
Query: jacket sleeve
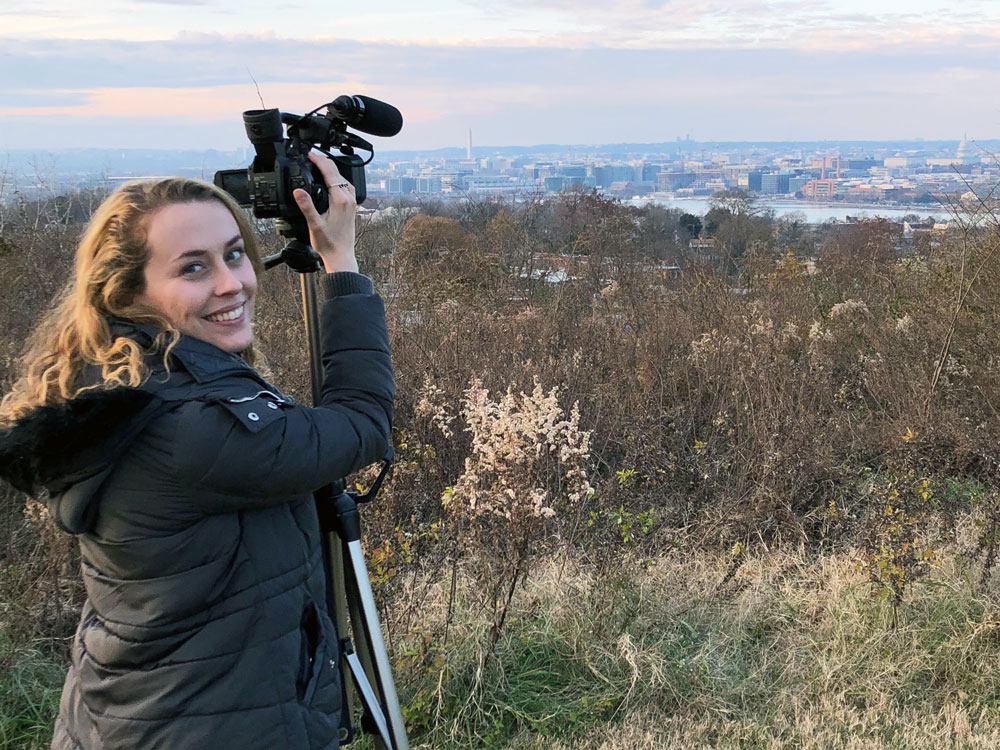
240,455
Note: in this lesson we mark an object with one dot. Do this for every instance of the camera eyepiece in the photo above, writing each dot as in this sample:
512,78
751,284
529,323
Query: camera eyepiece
263,125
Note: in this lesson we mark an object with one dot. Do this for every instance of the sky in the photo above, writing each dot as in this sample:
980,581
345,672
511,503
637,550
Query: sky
178,73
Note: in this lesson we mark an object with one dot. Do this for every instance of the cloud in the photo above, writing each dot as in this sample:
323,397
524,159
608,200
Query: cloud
181,63
29,12
47,102
797,24
508,94
204,60
204,104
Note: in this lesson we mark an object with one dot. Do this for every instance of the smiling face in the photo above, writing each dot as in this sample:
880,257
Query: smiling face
198,275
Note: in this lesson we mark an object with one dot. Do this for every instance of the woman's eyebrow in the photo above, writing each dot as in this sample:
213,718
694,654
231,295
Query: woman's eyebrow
191,254
198,252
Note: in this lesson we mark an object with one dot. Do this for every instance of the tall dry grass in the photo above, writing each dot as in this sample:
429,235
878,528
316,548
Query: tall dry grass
792,651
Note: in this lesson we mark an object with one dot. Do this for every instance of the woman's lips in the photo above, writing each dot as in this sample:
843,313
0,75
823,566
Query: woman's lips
230,316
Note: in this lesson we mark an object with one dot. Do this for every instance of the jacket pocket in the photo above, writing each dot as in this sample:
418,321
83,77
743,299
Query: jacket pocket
312,650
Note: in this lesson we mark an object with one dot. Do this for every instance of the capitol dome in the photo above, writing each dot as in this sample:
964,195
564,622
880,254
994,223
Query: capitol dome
966,152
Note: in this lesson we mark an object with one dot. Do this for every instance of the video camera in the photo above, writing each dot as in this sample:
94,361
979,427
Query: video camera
280,164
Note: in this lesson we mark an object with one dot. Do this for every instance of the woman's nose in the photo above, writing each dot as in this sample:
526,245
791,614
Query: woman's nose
227,282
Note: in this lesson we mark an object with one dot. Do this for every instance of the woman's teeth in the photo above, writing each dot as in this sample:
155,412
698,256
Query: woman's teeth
231,315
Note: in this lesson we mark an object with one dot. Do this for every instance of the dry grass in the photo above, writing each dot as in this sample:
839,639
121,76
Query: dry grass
792,652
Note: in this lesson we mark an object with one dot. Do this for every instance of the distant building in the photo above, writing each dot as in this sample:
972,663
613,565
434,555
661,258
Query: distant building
400,185
602,175
703,249
670,181
495,185
774,183
796,183
904,162
454,182
428,185
709,178
966,152
819,189
735,174
650,172
538,169
622,173
964,155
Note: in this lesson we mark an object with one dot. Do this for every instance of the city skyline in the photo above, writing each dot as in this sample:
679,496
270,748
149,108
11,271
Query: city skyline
887,175
177,73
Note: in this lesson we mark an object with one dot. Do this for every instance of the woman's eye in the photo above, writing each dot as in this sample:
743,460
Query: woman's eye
192,268
236,253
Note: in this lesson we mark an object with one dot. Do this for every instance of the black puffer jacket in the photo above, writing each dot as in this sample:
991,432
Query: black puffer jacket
205,624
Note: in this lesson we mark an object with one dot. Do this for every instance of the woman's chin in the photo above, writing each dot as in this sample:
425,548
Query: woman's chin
230,338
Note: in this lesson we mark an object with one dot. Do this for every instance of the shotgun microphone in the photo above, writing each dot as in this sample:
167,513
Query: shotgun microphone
368,115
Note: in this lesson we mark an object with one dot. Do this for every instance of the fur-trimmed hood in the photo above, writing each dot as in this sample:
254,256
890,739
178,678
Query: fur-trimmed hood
67,449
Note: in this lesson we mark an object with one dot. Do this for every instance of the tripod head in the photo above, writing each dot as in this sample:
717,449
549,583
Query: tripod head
297,253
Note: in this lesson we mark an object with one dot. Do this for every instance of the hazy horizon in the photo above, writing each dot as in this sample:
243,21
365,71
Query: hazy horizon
615,148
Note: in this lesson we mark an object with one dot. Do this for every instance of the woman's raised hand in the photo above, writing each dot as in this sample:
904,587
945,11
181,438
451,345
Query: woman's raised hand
331,233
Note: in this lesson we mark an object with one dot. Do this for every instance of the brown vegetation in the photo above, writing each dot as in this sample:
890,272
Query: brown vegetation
763,402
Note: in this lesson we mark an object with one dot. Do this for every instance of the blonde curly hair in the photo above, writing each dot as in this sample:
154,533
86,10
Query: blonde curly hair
109,274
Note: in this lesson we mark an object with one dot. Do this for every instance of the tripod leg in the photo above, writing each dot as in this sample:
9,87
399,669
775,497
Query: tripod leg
368,634
337,604
369,699
363,651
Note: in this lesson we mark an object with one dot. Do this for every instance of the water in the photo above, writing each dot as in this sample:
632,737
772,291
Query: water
814,213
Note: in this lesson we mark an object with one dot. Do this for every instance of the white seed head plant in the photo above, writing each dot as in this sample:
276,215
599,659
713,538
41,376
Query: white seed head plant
527,459
431,406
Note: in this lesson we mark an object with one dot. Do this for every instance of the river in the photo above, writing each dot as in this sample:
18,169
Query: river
815,213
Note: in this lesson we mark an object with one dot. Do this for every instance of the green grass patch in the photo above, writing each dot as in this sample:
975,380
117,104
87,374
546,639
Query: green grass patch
31,678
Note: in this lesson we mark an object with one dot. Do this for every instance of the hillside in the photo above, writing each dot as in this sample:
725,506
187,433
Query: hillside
765,514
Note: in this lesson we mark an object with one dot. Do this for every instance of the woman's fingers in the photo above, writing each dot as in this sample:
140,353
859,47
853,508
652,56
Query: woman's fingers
326,167
304,201
331,175
339,189
332,232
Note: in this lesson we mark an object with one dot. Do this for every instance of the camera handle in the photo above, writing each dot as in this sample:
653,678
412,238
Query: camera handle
348,588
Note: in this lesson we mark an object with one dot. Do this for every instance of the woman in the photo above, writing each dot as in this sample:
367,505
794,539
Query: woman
186,477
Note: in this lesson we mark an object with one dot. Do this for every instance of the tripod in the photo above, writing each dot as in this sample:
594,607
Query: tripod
348,589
